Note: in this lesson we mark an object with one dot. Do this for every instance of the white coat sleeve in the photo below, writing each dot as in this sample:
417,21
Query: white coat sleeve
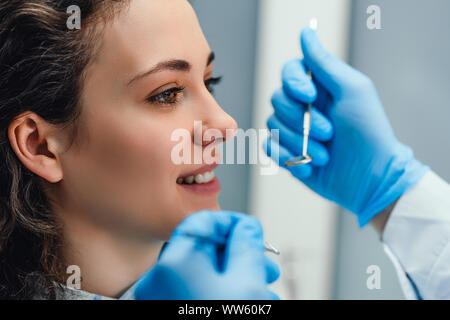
417,239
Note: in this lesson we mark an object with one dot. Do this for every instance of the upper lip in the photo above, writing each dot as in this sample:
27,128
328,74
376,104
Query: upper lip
203,169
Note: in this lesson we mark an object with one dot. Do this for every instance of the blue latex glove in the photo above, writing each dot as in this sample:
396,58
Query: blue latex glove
357,160
191,268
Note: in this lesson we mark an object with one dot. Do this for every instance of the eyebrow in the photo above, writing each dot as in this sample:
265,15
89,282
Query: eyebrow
177,65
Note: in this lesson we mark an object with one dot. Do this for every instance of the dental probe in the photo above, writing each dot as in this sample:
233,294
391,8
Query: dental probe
305,157
222,241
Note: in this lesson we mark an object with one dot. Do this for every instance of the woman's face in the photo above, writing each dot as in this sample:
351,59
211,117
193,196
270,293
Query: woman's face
147,81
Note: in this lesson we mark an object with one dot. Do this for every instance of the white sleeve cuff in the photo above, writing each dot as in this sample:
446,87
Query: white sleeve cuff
417,237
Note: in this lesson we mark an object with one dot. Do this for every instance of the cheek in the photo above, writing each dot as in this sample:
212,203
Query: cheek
124,171
134,154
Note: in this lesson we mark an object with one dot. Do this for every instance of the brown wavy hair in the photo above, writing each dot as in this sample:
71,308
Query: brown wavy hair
42,66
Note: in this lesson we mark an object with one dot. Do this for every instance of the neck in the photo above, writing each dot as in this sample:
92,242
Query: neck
110,262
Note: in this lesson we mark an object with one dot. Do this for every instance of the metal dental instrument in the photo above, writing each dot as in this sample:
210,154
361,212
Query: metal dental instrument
304,158
222,241
270,248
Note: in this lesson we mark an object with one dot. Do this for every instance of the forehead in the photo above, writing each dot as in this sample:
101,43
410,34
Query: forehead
149,31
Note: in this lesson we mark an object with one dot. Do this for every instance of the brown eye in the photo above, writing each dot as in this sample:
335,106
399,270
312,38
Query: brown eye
168,97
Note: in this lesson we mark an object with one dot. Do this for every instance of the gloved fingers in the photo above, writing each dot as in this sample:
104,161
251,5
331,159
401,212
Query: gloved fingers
291,113
294,142
298,86
324,100
186,251
264,294
296,82
273,295
272,270
280,155
244,253
208,223
329,70
214,225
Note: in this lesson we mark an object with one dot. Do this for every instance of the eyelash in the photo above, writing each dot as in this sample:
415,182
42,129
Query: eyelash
211,83
162,98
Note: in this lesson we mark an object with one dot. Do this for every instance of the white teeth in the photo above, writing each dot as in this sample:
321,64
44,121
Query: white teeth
189,180
199,178
209,176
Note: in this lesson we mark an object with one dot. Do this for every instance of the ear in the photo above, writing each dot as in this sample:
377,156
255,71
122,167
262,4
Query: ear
35,144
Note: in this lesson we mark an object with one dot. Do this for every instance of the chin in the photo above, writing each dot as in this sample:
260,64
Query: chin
214,206
165,236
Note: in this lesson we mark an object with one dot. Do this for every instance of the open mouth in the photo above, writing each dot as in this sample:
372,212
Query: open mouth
201,181
200,178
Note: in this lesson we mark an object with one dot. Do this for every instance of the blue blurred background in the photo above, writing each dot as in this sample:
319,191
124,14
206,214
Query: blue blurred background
324,254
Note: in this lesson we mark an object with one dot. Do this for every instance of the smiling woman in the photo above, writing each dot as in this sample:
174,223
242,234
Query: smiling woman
86,118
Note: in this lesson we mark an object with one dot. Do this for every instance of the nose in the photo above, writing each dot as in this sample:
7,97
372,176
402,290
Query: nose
215,123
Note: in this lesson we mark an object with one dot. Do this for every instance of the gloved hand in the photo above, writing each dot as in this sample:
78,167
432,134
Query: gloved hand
192,268
357,160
